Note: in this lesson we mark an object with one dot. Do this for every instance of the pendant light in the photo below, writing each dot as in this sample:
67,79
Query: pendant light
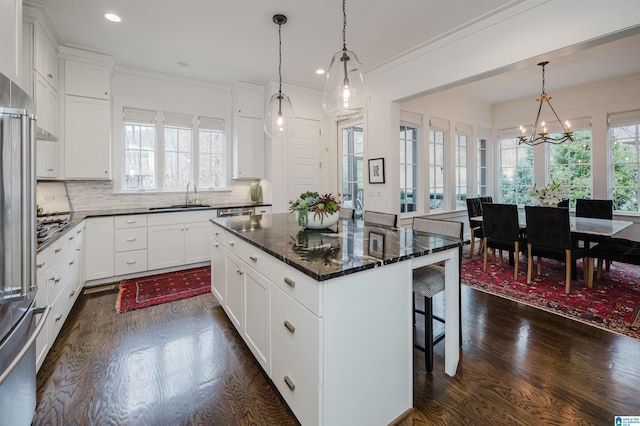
539,133
279,119
344,91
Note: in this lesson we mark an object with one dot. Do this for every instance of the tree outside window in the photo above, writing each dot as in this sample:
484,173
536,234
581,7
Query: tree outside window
516,171
570,164
624,148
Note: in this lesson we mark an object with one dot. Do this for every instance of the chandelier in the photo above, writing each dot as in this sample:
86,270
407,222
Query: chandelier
279,118
542,136
344,91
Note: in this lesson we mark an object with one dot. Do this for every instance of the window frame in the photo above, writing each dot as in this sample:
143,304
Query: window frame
626,120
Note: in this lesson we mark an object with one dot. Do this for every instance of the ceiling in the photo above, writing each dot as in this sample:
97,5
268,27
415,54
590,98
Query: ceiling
227,41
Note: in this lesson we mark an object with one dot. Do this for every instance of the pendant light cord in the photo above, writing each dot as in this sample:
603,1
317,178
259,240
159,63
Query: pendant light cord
280,58
344,25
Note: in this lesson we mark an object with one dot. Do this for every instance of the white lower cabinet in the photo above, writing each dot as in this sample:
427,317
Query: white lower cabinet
179,238
274,308
59,284
99,243
130,244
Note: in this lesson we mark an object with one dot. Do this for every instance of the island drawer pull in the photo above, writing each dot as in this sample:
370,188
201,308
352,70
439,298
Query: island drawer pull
290,327
231,243
289,383
131,262
131,221
130,240
254,258
239,272
289,282
216,245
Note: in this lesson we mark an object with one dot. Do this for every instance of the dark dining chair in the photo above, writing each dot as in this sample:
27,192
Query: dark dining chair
502,232
429,281
549,236
595,209
380,219
474,209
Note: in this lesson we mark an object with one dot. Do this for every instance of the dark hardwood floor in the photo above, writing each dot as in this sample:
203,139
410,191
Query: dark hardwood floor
182,363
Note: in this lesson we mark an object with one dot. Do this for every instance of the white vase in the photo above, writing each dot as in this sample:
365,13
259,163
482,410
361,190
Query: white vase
321,222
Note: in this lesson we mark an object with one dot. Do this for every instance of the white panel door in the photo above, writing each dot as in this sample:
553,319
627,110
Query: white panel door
303,159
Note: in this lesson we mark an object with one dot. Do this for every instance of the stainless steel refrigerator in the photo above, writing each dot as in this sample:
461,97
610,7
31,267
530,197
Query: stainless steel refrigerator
20,321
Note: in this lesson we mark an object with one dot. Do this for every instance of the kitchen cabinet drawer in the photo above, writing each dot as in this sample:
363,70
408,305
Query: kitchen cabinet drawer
60,309
130,262
301,287
295,385
130,221
299,330
131,239
43,261
263,210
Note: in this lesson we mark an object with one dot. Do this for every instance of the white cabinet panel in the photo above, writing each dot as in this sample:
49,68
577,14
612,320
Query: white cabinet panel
46,100
248,148
234,302
197,237
87,80
218,279
45,57
130,239
165,246
257,316
99,248
129,262
11,47
46,159
87,138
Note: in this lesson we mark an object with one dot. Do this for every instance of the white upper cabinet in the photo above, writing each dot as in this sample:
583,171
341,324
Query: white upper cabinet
88,80
248,133
45,60
10,36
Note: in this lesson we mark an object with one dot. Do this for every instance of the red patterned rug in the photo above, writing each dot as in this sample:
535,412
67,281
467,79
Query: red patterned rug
612,304
153,290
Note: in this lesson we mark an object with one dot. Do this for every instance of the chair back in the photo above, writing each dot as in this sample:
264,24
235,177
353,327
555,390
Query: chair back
594,209
500,222
548,227
382,219
474,209
346,213
446,228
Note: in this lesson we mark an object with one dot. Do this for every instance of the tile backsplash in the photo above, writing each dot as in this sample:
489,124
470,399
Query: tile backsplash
99,195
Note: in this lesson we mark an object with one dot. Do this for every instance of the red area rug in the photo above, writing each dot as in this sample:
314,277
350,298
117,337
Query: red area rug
153,290
612,304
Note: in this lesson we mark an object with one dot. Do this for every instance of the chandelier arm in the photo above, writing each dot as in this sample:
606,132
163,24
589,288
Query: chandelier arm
535,124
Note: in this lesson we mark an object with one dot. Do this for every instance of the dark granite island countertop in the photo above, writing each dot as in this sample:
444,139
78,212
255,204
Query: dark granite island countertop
347,247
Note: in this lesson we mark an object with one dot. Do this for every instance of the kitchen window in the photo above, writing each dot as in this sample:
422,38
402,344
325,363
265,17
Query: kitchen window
516,169
438,134
164,154
463,133
408,168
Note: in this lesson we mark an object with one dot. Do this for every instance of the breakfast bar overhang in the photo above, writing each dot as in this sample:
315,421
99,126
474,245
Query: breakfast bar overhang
328,313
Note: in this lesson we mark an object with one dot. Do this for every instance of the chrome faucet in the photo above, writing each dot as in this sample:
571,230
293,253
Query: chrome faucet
195,191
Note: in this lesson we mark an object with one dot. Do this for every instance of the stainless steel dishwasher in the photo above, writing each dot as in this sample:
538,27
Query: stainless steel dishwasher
236,211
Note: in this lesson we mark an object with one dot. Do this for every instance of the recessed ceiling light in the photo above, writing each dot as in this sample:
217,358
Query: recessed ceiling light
112,17
319,71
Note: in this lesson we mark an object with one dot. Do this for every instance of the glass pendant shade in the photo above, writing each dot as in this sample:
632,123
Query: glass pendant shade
344,91
279,119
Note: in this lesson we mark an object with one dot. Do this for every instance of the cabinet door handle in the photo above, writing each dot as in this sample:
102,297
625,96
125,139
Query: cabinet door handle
130,240
72,293
291,283
216,244
71,237
58,317
56,279
231,243
254,258
72,262
50,75
79,231
57,250
216,233
289,383
40,265
131,221
239,272
290,327
131,262
49,170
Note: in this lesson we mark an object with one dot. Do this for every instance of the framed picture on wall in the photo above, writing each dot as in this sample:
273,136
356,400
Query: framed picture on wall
376,170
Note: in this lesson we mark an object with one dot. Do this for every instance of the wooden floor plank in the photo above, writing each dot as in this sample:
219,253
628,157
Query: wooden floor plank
183,363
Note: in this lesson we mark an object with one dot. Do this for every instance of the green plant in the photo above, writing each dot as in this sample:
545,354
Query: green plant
312,202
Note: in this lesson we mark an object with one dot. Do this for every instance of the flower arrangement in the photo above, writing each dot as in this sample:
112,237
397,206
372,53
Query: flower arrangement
312,202
549,195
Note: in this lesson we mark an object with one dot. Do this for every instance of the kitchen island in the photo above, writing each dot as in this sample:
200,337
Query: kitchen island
328,313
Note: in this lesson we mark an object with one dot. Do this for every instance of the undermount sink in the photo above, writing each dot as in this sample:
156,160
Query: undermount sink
180,206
